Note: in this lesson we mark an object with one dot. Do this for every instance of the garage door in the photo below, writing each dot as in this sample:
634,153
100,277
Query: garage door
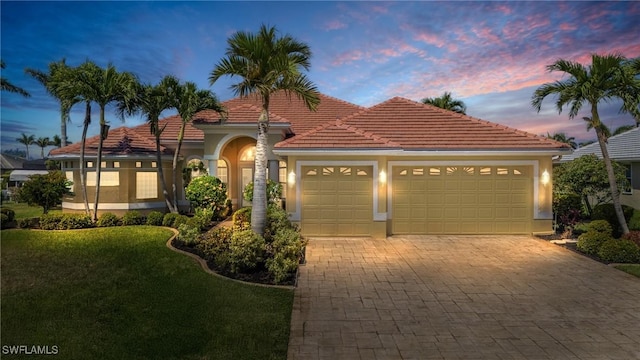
462,199
337,200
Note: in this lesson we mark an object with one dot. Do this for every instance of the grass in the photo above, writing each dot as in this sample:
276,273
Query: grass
25,211
633,269
120,293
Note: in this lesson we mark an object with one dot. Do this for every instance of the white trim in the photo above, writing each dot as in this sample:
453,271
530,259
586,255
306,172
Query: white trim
537,214
116,206
296,216
400,152
222,142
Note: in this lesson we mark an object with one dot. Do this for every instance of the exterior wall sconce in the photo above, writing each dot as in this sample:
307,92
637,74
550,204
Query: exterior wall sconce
291,178
545,178
382,177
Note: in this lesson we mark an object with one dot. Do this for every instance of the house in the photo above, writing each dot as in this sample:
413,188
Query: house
399,167
625,149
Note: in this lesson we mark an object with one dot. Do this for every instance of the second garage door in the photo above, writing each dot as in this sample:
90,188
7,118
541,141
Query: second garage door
337,200
462,199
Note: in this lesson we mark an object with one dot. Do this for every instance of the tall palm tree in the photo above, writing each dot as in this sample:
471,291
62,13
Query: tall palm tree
151,102
609,77
57,69
266,64
42,142
26,140
5,85
188,100
623,129
447,102
564,138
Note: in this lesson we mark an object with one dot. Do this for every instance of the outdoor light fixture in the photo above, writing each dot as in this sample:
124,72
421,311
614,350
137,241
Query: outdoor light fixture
291,179
545,177
382,177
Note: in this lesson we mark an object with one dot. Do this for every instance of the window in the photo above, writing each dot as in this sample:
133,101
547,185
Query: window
502,171
146,185
327,171
434,171
361,172
485,171
69,176
89,164
282,177
223,171
417,171
154,164
116,164
138,164
107,178
312,172
103,164
249,154
627,187
345,171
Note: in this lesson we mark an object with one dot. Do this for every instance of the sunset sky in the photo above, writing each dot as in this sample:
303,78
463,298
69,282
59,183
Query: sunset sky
491,55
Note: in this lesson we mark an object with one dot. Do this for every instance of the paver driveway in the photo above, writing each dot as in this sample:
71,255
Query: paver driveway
461,297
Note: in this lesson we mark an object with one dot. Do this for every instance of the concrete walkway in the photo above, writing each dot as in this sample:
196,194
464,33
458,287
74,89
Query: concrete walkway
461,297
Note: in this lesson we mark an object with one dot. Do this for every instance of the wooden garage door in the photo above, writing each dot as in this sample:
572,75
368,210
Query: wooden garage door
337,200
462,199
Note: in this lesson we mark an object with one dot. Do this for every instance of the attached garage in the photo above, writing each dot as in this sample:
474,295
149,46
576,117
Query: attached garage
462,199
337,200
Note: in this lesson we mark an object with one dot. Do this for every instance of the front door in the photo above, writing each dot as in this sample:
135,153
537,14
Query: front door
246,176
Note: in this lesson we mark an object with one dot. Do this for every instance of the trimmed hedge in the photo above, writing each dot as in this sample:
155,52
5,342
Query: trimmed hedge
65,221
108,219
155,218
619,251
590,242
132,217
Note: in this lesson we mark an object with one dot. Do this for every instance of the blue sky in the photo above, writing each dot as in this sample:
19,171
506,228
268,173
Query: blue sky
492,55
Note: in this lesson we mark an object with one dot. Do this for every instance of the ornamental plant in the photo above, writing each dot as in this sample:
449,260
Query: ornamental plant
274,192
207,192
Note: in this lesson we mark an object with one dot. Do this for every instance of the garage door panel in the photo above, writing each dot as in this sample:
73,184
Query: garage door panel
436,199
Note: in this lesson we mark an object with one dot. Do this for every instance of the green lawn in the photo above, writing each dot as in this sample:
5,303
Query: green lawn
25,211
633,269
120,293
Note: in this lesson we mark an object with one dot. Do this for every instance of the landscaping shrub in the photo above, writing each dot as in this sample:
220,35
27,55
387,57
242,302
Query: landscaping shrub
188,234
29,223
155,218
277,218
608,213
132,217
285,253
65,221
619,251
202,218
633,235
179,220
4,220
207,192
108,219
634,222
566,209
590,242
246,250
215,243
600,226
11,215
242,218
169,219
580,228
274,191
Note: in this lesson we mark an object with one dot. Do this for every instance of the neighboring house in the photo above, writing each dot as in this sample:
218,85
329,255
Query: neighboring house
625,149
399,167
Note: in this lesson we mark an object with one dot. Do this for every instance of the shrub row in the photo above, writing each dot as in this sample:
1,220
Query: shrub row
599,241
65,221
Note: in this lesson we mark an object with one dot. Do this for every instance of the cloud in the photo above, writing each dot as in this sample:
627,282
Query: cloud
334,25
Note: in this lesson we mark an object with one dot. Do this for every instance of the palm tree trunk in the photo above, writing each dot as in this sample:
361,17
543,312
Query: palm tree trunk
175,169
259,201
615,194
83,172
63,128
165,193
103,135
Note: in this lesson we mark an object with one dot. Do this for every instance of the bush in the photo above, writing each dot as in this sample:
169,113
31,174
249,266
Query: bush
202,218
600,226
566,208
215,243
277,219
155,218
286,250
207,192
246,250
169,219
180,219
45,190
634,222
633,235
590,242
108,219
29,223
188,234
4,220
274,191
65,221
132,217
619,251
11,215
608,213
242,218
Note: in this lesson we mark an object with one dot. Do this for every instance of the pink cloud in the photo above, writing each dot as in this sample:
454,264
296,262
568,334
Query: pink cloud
430,39
334,25
567,27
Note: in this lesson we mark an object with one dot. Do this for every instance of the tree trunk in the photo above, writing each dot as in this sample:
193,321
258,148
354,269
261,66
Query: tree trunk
103,135
165,193
63,129
175,168
587,204
615,194
83,172
259,201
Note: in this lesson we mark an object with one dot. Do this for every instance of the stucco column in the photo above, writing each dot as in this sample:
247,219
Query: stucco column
212,167
274,170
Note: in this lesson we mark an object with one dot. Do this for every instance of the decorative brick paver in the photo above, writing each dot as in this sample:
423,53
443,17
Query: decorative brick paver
461,297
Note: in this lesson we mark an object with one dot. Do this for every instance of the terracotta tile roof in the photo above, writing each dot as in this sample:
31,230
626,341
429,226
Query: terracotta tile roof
171,126
120,141
337,134
241,114
416,126
294,110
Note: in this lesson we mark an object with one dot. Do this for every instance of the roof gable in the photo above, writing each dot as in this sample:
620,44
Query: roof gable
120,141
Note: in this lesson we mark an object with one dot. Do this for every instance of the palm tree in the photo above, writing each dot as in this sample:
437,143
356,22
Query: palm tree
563,138
5,85
43,142
151,102
447,102
188,100
609,77
26,140
623,129
266,64
57,70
